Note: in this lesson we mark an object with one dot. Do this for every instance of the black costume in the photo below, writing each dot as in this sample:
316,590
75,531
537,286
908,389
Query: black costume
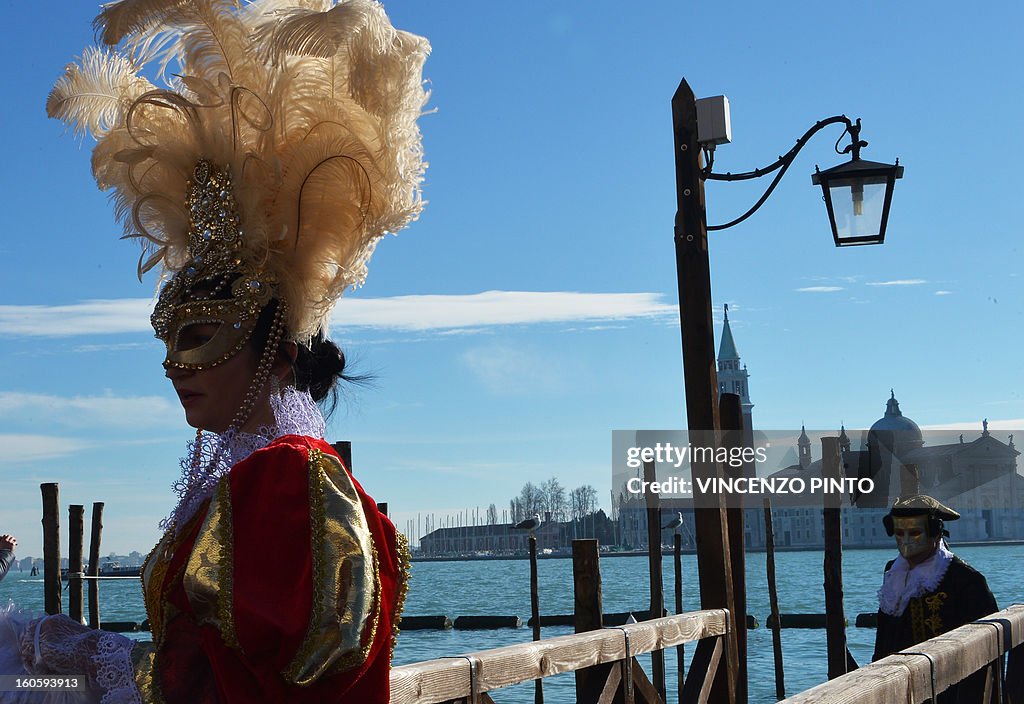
961,597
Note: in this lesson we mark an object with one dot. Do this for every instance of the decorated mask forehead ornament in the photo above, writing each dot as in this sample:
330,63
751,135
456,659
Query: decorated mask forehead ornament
217,286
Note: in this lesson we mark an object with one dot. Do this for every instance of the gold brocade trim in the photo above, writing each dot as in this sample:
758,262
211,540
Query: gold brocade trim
209,572
143,656
346,579
159,610
917,620
226,537
401,587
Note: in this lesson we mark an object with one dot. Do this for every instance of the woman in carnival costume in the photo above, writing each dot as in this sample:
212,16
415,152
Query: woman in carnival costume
260,179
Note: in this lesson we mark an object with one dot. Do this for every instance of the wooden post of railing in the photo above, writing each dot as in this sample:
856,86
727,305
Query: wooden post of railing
51,548
344,450
677,556
76,536
94,564
538,684
731,412
654,560
835,620
910,480
588,614
773,601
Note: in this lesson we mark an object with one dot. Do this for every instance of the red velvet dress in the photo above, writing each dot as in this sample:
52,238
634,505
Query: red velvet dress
286,586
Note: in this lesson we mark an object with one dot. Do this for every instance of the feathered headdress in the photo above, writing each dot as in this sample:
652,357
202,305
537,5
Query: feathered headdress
284,145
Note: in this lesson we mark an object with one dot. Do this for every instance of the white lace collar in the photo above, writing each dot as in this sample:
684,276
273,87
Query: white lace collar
902,582
210,456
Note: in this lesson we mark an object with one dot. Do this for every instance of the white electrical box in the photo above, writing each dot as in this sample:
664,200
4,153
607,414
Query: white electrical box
713,125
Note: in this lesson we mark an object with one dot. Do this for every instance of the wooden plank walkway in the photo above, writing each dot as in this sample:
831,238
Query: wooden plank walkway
461,677
917,674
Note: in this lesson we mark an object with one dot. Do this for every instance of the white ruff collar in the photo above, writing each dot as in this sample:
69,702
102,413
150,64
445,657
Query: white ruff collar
903,582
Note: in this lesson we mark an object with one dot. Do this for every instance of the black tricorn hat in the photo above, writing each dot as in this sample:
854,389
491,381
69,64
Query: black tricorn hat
922,505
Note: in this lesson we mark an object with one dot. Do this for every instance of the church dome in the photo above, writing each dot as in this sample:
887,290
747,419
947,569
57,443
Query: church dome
904,433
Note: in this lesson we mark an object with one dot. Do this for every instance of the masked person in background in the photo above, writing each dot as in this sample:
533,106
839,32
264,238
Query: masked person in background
260,179
7,545
928,590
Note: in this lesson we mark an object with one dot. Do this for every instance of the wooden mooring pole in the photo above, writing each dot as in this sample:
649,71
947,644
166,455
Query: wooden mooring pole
51,548
677,560
773,601
733,434
76,536
835,619
588,614
538,684
654,560
94,564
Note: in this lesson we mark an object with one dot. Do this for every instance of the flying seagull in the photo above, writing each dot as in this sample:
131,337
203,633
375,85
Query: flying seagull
530,524
675,522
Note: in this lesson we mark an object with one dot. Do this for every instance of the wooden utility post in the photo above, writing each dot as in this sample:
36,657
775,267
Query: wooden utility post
699,375
76,536
94,564
835,619
654,562
51,548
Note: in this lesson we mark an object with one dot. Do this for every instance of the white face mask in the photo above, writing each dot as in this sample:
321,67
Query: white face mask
911,533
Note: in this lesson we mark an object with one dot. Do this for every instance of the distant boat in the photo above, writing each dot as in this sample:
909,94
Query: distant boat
109,569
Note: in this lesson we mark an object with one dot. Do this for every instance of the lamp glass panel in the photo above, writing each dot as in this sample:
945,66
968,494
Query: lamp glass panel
857,208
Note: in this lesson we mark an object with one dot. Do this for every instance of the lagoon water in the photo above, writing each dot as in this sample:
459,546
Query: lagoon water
502,588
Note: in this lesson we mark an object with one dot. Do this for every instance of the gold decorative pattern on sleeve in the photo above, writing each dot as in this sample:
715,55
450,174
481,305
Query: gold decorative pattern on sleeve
142,663
343,619
209,573
401,587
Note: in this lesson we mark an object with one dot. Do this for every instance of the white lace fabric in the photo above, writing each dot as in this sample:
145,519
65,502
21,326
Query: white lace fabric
902,582
58,646
210,456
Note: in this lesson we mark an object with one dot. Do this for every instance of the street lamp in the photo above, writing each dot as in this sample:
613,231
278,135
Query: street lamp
852,192
857,195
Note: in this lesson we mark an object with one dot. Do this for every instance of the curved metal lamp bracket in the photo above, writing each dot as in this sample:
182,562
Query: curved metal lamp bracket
783,163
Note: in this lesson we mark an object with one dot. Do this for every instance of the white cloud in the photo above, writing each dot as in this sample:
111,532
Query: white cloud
513,371
27,448
407,313
943,293
819,289
123,315
89,411
898,282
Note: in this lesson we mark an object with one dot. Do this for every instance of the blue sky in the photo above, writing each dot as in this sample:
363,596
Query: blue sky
531,309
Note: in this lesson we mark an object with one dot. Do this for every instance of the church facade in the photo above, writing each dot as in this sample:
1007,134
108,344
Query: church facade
974,472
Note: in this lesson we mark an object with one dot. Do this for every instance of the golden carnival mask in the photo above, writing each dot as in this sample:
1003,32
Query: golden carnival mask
911,533
216,286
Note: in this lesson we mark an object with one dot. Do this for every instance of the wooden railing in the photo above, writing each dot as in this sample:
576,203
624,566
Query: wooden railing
470,677
923,671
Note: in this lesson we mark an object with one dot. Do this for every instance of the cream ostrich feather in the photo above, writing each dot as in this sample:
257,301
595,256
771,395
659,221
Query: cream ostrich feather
310,105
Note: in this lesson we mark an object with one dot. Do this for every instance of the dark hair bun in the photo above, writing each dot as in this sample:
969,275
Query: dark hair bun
319,367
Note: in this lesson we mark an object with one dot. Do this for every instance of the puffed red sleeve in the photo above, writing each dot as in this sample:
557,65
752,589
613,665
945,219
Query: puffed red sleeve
292,584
